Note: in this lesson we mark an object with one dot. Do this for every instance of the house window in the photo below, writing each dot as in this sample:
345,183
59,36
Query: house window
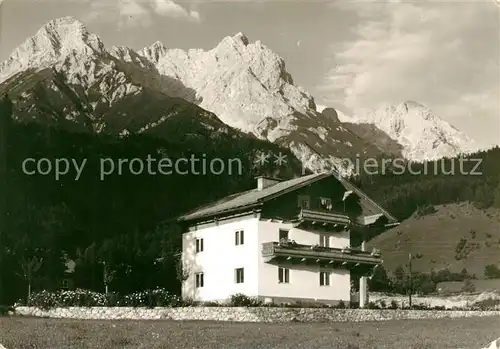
283,275
65,284
239,275
324,278
238,237
324,240
325,203
303,201
199,280
283,235
199,245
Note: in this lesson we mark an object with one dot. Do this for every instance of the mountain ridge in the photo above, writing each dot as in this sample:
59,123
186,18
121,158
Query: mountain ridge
420,133
244,83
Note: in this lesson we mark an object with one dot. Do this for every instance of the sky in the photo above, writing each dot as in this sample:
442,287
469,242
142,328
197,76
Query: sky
350,55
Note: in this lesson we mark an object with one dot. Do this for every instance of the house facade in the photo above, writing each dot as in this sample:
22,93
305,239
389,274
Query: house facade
284,241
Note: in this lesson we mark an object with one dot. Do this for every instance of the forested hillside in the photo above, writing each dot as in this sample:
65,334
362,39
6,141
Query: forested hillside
122,220
438,182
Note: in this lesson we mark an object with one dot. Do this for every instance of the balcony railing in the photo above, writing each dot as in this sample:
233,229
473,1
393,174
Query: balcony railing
323,218
293,251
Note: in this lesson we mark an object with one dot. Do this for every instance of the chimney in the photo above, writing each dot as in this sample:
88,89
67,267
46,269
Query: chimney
264,182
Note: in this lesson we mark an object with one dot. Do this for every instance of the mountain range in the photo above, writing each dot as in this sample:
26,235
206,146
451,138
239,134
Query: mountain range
75,98
65,76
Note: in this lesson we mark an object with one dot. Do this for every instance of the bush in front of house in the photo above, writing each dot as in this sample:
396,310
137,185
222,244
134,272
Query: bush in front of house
151,298
340,305
86,298
241,300
76,298
373,305
113,299
393,305
162,298
307,304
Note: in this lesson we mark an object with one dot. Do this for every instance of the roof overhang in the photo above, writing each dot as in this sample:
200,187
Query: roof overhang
191,217
224,215
260,202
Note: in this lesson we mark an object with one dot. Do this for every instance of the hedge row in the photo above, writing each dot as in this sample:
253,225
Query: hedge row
162,298
85,298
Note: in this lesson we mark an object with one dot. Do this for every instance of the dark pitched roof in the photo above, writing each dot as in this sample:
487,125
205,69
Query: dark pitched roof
255,197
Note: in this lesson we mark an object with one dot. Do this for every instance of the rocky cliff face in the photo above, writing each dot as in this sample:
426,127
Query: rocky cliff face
248,87
65,75
416,130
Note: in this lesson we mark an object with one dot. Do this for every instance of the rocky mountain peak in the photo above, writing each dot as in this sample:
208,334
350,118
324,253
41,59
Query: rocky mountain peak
244,83
67,34
240,38
236,41
414,105
154,52
55,41
423,135
67,23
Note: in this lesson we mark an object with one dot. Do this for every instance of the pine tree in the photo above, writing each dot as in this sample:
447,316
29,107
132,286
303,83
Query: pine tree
380,281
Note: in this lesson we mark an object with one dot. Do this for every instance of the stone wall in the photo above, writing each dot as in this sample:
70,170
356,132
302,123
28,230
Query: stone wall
242,314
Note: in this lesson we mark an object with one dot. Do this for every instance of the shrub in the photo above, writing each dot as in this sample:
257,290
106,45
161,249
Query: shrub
380,281
112,299
85,298
210,304
151,298
425,210
241,300
354,305
307,304
188,302
394,305
487,304
383,304
76,298
340,305
491,271
4,310
468,287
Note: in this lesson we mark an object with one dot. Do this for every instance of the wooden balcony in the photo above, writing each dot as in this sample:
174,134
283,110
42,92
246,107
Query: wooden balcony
294,253
322,219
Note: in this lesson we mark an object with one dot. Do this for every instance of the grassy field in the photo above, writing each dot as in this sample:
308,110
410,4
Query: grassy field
36,333
435,237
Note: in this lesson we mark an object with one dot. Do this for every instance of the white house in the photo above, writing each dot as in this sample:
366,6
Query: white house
284,241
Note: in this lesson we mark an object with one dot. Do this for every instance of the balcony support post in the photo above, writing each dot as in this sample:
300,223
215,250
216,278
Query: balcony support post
363,285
